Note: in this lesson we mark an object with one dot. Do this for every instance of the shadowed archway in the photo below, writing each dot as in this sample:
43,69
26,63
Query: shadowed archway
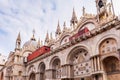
32,76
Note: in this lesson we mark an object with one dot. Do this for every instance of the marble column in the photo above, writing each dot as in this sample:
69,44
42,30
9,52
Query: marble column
105,76
37,76
95,63
92,62
98,61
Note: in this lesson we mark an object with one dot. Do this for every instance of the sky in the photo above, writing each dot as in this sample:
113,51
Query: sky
42,15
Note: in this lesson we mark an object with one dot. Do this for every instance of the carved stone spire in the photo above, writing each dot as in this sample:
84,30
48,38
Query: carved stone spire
83,10
33,37
41,43
64,27
47,38
18,42
19,38
51,37
58,31
38,44
73,20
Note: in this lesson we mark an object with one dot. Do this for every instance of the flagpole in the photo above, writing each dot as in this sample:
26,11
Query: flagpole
113,9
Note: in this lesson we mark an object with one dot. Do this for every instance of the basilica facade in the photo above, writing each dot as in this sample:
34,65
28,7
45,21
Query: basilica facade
88,50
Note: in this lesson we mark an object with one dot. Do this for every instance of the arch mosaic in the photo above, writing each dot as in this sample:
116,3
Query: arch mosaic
111,36
79,58
108,45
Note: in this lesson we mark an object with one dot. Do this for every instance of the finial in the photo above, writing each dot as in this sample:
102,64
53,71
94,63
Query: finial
58,24
74,18
19,38
51,36
33,37
83,10
58,30
74,14
18,42
64,26
47,37
38,45
41,43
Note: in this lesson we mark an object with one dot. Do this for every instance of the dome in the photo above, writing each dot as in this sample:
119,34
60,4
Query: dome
32,43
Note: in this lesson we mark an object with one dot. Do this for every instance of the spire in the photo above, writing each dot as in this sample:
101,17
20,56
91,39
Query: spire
74,18
33,37
18,42
47,38
64,27
41,43
51,38
19,38
83,10
38,44
58,31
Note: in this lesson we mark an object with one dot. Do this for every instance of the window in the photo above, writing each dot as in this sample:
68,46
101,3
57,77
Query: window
100,4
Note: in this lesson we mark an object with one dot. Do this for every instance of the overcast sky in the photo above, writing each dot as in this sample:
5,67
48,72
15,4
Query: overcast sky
42,15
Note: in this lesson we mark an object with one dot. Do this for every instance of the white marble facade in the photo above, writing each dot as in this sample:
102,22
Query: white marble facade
92,55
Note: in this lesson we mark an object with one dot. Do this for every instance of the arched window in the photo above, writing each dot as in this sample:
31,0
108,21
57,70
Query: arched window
32,76
42,71
56,66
